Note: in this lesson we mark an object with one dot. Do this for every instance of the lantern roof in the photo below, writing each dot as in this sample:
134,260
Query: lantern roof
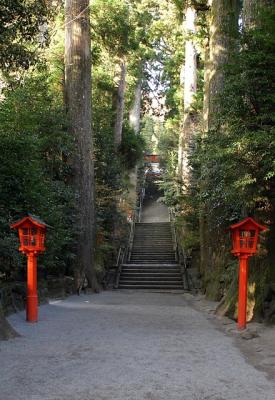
30,218
250,223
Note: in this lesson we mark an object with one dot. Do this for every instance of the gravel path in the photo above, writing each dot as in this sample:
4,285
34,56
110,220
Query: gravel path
125,345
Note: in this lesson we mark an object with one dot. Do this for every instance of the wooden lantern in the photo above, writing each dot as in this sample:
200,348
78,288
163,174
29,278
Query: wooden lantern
32,238
31,232
245,236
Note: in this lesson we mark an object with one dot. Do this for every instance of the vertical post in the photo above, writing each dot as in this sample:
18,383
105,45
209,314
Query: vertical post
242,301
32,298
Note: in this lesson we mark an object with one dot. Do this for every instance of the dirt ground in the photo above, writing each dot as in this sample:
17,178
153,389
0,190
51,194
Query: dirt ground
133,345
256,342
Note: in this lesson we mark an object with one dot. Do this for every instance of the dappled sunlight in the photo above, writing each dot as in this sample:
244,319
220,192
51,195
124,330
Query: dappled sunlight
251,300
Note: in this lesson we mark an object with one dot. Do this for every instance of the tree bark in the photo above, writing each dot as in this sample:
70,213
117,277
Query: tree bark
120,103
223,32
251,9
78,97
190,87
223,23
250,13
134,115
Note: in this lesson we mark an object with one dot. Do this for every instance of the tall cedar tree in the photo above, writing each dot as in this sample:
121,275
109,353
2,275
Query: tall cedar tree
222,41
78,103
190,87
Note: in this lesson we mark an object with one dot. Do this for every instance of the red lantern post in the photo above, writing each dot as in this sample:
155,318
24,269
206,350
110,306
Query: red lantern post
245,237
32,237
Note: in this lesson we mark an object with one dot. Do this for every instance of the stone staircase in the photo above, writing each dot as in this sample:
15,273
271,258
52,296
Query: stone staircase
152,262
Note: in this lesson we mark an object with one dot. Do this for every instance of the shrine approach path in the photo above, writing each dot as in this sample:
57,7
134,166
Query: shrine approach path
125,346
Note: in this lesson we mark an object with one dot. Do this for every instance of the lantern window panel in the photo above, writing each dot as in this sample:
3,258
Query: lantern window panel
33,241
247,239
247,234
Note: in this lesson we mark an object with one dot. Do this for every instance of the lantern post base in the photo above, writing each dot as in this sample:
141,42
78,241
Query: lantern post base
32,309
242,301
32,298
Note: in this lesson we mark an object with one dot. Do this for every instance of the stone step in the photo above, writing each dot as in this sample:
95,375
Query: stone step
153,245
145,274
154,231
152,239
152,279
145,256
157,256
154,265
153,262
133,265
164,247
152,228
151,286
161,249
156,225
152,258
150,235
153,234
148,282
151,272
157,243
153,252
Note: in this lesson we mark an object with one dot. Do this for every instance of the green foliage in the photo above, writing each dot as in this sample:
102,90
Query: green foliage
168,144
110,166
34,171
20,26
131,148
107,165
237,157
111,23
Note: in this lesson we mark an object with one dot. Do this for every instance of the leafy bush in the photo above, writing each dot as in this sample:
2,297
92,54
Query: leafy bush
34,173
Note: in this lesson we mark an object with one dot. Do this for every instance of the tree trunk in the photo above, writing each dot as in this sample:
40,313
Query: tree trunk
222,42
223,32
134,115
78,97
190,87
202,217
134,121
120,103
251,9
